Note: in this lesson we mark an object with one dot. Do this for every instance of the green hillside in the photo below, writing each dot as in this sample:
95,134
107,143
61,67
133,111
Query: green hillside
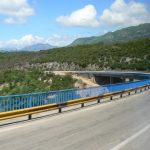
131,55
32,80
124,35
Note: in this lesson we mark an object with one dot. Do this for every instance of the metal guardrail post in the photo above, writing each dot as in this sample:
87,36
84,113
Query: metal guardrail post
30,105
82,104
60,110
121,95
29,117
99,100
129,93
111,98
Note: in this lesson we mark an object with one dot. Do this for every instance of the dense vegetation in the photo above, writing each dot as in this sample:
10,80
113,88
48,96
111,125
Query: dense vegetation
131,56
27,81
124,35
9,60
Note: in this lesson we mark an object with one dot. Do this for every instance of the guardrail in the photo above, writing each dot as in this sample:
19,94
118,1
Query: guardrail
59,106
28,104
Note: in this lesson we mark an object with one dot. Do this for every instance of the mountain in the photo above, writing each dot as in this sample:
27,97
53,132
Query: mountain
133,55
2,51
35,47
38,47
141,31
9,49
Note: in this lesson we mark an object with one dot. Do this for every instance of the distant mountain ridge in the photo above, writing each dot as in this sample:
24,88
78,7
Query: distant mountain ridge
38,47
34,47
123,35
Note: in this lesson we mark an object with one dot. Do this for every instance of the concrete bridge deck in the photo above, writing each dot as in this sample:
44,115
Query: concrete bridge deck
123,124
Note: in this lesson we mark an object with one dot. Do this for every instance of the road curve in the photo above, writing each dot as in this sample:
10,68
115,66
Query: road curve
123,124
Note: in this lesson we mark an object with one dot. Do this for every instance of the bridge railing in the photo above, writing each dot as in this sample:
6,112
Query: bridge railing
22,101
127,85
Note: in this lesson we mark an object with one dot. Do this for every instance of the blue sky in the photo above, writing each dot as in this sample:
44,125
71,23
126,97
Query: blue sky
59,22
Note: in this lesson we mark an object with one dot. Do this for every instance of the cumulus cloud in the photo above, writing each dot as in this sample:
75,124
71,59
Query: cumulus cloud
121,13
10,20
61,40
85,17
22,42
28,40
15,11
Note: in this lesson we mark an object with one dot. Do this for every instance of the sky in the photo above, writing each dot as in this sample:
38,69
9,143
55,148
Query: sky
59,22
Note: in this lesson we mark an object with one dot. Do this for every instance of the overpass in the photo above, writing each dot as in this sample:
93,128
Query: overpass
105,77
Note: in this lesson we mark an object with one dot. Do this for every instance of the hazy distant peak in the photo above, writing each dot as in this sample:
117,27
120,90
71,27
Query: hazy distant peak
37,47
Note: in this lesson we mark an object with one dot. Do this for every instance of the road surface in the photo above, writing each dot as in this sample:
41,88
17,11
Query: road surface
123,124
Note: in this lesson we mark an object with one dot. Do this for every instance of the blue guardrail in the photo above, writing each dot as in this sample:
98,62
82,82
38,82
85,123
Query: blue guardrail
15,102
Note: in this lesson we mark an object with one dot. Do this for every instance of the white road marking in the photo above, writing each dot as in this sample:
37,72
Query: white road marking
130,139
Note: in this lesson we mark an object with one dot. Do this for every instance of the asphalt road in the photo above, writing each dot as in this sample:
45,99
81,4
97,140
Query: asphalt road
123,124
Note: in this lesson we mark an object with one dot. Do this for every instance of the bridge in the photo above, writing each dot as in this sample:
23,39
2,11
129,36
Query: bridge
119,121
105,77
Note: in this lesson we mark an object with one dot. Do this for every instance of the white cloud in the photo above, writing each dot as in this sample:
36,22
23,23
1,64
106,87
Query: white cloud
22,42
15,11
60,40
10,20
27,40
85,17
121,14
